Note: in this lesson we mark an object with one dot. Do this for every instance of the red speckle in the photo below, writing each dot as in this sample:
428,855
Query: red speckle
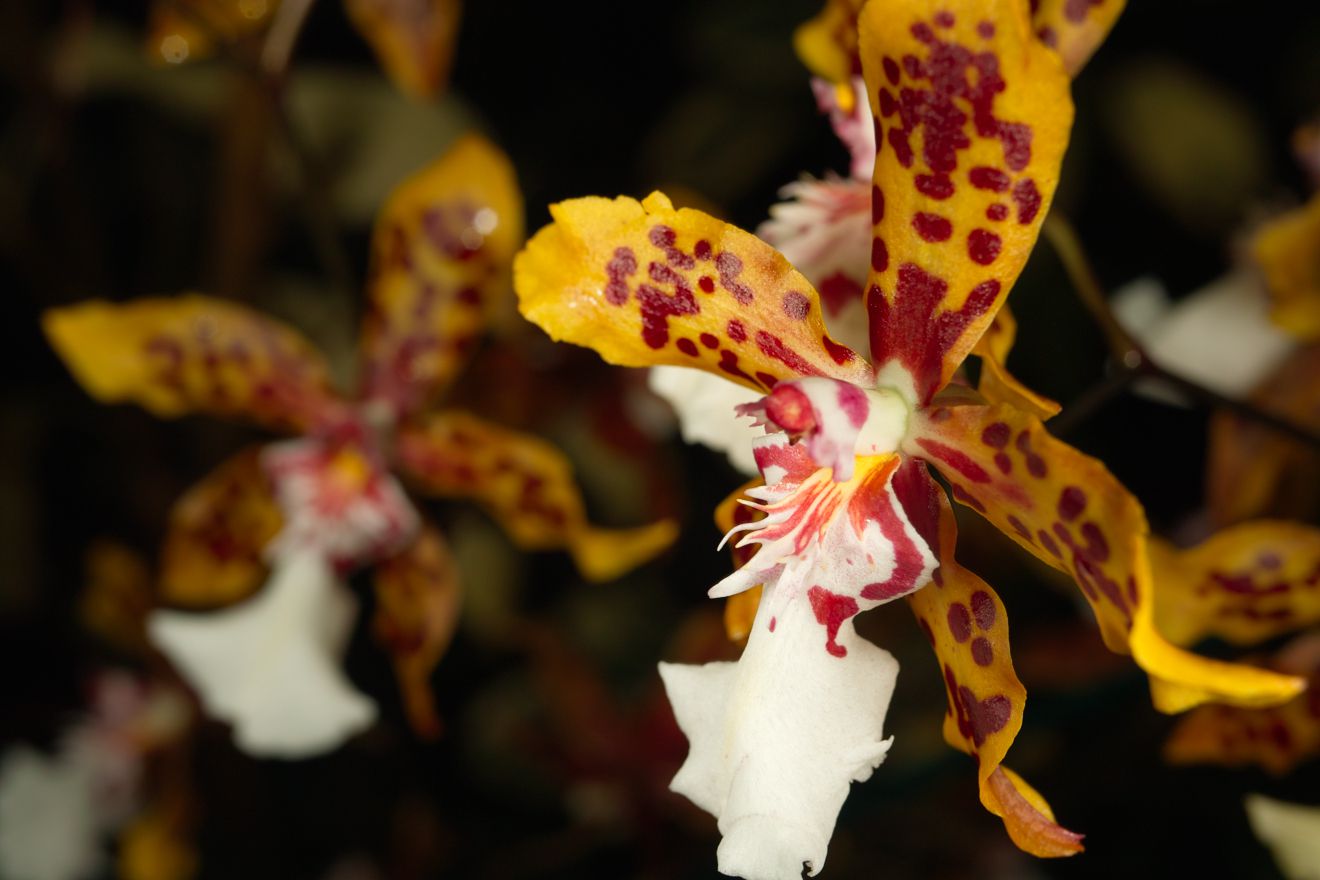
983,177
618,269
982,652
983,607
841,354
985,717
1072,502
470,296
891,70
701,250
773,620
954,458
1016,138
838,291
1049,36
1027,198
922,32
766,379
706,283
658,307
996,435
688,347
986,29
1047,542
983,246
1096,546
1035,464
960,622
1076,10
1018,526
944,19
932,227
831,611
879,254
773,347
997,211
729,364
796,306
1003,463
664,237
887,105
877,205
710,340
730,266
963,496
936,186
898,139
737,332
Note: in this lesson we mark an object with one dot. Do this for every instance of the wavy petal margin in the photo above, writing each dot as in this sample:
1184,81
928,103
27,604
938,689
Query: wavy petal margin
1069,511
644,284
972,119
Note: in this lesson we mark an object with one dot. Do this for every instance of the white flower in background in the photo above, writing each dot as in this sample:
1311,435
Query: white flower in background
824,229
1220,337
1291,831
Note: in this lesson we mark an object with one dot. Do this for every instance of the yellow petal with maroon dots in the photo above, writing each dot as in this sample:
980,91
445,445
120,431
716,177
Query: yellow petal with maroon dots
1075,28
740,608
440,260
414,39
972,118
827,44
967,626
1245,584
192,354
644,284
1275,738
418,594
526,485
1069,511
186,30
212,554
996,384
1286,250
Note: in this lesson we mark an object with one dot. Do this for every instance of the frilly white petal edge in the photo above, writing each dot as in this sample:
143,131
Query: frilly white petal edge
271,666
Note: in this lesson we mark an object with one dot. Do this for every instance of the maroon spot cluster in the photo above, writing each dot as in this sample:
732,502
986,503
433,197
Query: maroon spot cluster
977,718
1258,594
669,291
960,621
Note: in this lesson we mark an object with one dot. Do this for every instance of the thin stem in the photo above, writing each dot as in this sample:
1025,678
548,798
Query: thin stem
1092,400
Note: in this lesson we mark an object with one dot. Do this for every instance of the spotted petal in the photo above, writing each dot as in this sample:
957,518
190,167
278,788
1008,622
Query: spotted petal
414,39
526,485
1075,28
968,628
972,119
1286,251
440,259
827,44
417,600
1244,584
996,384
216,535
1069,511
190,354
644,284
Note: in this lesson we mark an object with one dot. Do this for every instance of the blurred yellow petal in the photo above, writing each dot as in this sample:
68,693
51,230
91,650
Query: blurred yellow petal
1286,250
740,608
526,485
827,44
212,554
972,118
996,384
414,39
967,626
440,258
153,848
1069,511
186,30
192,354
417,601
1075,28
644,284
117,597
1244,584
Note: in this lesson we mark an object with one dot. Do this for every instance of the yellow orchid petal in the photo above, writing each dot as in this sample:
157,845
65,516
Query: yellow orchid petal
156,846
418,594
413,39
1069,511
996,384
972,118
212,555
1276,738
1075,28
827,44
526,485
1244,584
740,608
644,284
186,30
1286,250
190,354
967,626
1252,469
117,597
440,258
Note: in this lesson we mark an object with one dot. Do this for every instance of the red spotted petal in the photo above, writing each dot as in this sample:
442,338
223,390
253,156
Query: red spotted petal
1075,28
972,117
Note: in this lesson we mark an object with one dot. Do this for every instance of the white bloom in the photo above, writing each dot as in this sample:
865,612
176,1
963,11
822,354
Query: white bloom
705,406
49,827
1291,831
271,665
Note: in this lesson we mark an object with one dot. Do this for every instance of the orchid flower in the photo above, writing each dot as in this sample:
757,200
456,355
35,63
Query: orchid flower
316,508
972,117
412,39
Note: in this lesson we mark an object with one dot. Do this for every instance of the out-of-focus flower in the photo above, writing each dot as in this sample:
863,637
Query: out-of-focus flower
852,517
1291,831
1285,249
327,503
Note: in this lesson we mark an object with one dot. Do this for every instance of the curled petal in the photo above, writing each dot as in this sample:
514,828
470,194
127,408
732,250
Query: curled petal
414,39
967,626
972,117
1291,831
1286,250
440,258
192,354
644,284
417,601
996,384
827,44
706,409
526,485
1069,511
1075,28
215,540
1244,584
270,666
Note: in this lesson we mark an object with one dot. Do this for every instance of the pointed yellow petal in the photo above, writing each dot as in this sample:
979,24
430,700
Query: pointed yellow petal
414,39
996,384
644,284
1075,28
972,118
827,44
